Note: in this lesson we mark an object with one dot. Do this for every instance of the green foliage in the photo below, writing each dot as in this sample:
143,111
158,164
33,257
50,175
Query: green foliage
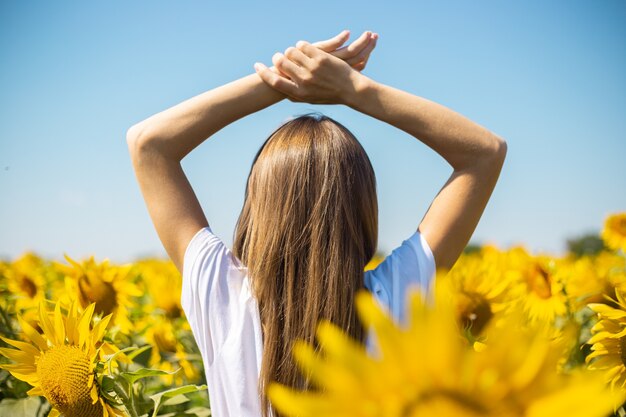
589,244
24,407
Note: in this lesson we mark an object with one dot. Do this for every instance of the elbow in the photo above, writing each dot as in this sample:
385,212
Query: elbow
144,144
140,142
491,157
495,151
135,139
500,148
132,139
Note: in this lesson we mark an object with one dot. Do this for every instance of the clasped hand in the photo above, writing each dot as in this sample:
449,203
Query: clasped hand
319,73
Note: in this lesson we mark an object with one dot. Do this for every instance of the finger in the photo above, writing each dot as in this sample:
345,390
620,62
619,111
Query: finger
295,55
274,80
309,50
286,66
333,43
360,66
364,54
350,51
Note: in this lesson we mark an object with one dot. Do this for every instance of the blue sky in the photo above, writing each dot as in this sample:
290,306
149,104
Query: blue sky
549,77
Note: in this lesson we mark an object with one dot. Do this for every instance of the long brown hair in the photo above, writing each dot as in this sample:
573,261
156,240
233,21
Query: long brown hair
308,227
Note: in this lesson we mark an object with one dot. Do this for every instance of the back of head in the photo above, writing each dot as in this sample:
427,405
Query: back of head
308,227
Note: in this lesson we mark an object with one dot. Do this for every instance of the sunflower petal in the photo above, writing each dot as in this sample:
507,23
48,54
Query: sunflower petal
32,334
46,324
25,347
59,327
83,324
17,356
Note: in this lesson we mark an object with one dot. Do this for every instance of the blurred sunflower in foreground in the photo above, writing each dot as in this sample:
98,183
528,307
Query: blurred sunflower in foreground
60,362
429,369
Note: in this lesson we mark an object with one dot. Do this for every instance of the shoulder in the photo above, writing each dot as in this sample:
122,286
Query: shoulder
206,249
210,270
409,266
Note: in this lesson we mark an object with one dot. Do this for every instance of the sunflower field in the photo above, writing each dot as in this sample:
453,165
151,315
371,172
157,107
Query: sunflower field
506,333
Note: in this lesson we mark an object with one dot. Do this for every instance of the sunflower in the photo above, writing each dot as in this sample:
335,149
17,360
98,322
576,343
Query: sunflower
168,350
109,287
611,267
428,369
164,284
481,288
544,299
60,362
614,232
609,341
583,282
25,280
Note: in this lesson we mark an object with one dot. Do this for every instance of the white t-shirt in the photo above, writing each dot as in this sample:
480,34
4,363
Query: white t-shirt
224,316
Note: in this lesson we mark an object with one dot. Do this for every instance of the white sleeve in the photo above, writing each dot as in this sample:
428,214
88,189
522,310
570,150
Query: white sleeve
411,265
210,272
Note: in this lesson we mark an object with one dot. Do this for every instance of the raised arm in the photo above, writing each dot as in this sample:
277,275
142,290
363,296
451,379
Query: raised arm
475,154
158,144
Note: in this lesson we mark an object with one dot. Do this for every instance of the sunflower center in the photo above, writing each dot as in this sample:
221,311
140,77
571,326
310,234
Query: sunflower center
28,286
539,282
65,380
165,340
95,290
474,313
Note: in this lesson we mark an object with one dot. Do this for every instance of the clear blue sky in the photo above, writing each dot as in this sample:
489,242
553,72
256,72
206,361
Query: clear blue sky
550,77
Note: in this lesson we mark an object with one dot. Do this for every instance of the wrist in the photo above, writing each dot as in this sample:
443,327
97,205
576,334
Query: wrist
360,87
264,91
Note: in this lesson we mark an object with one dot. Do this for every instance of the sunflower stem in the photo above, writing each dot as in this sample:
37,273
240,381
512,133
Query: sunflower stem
7,322
127,399
132,399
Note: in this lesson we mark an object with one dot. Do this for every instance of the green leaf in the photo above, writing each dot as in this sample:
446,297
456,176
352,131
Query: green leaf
23,407
134,376
109,389
137,350
186,389
199,411
178,399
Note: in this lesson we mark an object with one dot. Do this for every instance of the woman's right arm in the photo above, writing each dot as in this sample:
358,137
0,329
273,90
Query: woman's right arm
475,154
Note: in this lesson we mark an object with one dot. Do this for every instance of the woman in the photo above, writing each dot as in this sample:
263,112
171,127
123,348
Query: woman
309,221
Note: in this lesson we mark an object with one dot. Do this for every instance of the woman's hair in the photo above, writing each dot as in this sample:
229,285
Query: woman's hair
308,227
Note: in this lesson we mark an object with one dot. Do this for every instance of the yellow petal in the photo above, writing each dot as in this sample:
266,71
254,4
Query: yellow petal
71,328
36,391
99,329
25,347
585,397
54,412
83,325
59,327
46,324
17,356
32,334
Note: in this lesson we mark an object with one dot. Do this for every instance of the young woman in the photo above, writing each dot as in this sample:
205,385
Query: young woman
309,221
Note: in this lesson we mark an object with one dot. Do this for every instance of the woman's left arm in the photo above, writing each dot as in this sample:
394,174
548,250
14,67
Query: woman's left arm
158,144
